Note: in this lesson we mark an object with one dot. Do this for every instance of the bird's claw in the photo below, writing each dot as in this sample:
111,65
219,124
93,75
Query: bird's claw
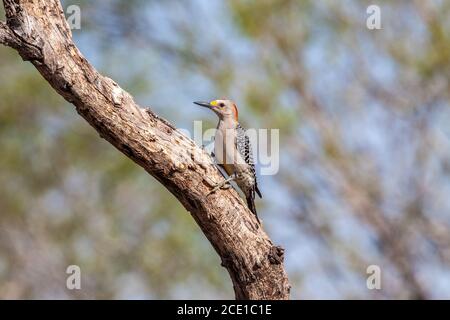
223,185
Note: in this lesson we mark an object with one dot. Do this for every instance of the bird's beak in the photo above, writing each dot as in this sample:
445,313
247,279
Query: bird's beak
204,104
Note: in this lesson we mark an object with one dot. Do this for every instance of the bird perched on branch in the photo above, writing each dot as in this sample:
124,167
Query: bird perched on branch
233,151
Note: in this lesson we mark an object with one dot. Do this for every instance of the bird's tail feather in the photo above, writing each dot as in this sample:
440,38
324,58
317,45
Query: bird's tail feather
251,206
258,192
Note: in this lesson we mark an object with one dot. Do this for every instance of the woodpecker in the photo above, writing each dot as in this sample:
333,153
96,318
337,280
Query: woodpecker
233,151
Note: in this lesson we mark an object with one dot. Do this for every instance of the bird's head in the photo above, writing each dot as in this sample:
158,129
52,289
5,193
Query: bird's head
223,108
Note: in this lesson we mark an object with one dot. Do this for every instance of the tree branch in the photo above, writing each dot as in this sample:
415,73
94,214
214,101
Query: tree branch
37,29
5,35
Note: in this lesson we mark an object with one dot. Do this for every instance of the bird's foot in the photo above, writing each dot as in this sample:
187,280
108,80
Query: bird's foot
225,184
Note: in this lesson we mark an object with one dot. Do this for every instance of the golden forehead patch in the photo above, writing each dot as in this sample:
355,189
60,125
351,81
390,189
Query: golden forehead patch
213,103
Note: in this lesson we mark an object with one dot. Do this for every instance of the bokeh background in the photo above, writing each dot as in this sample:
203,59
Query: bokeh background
364,125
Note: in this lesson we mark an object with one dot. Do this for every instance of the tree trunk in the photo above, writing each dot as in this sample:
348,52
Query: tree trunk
37,29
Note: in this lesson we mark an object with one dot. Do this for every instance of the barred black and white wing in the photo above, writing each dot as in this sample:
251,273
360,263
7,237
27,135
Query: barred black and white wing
245,150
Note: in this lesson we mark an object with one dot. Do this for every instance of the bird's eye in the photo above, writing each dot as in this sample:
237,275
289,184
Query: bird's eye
222,104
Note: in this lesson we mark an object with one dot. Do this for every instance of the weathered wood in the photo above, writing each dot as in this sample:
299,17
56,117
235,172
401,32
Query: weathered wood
37,29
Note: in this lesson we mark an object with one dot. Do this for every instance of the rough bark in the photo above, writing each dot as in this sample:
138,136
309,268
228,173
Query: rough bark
37,29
